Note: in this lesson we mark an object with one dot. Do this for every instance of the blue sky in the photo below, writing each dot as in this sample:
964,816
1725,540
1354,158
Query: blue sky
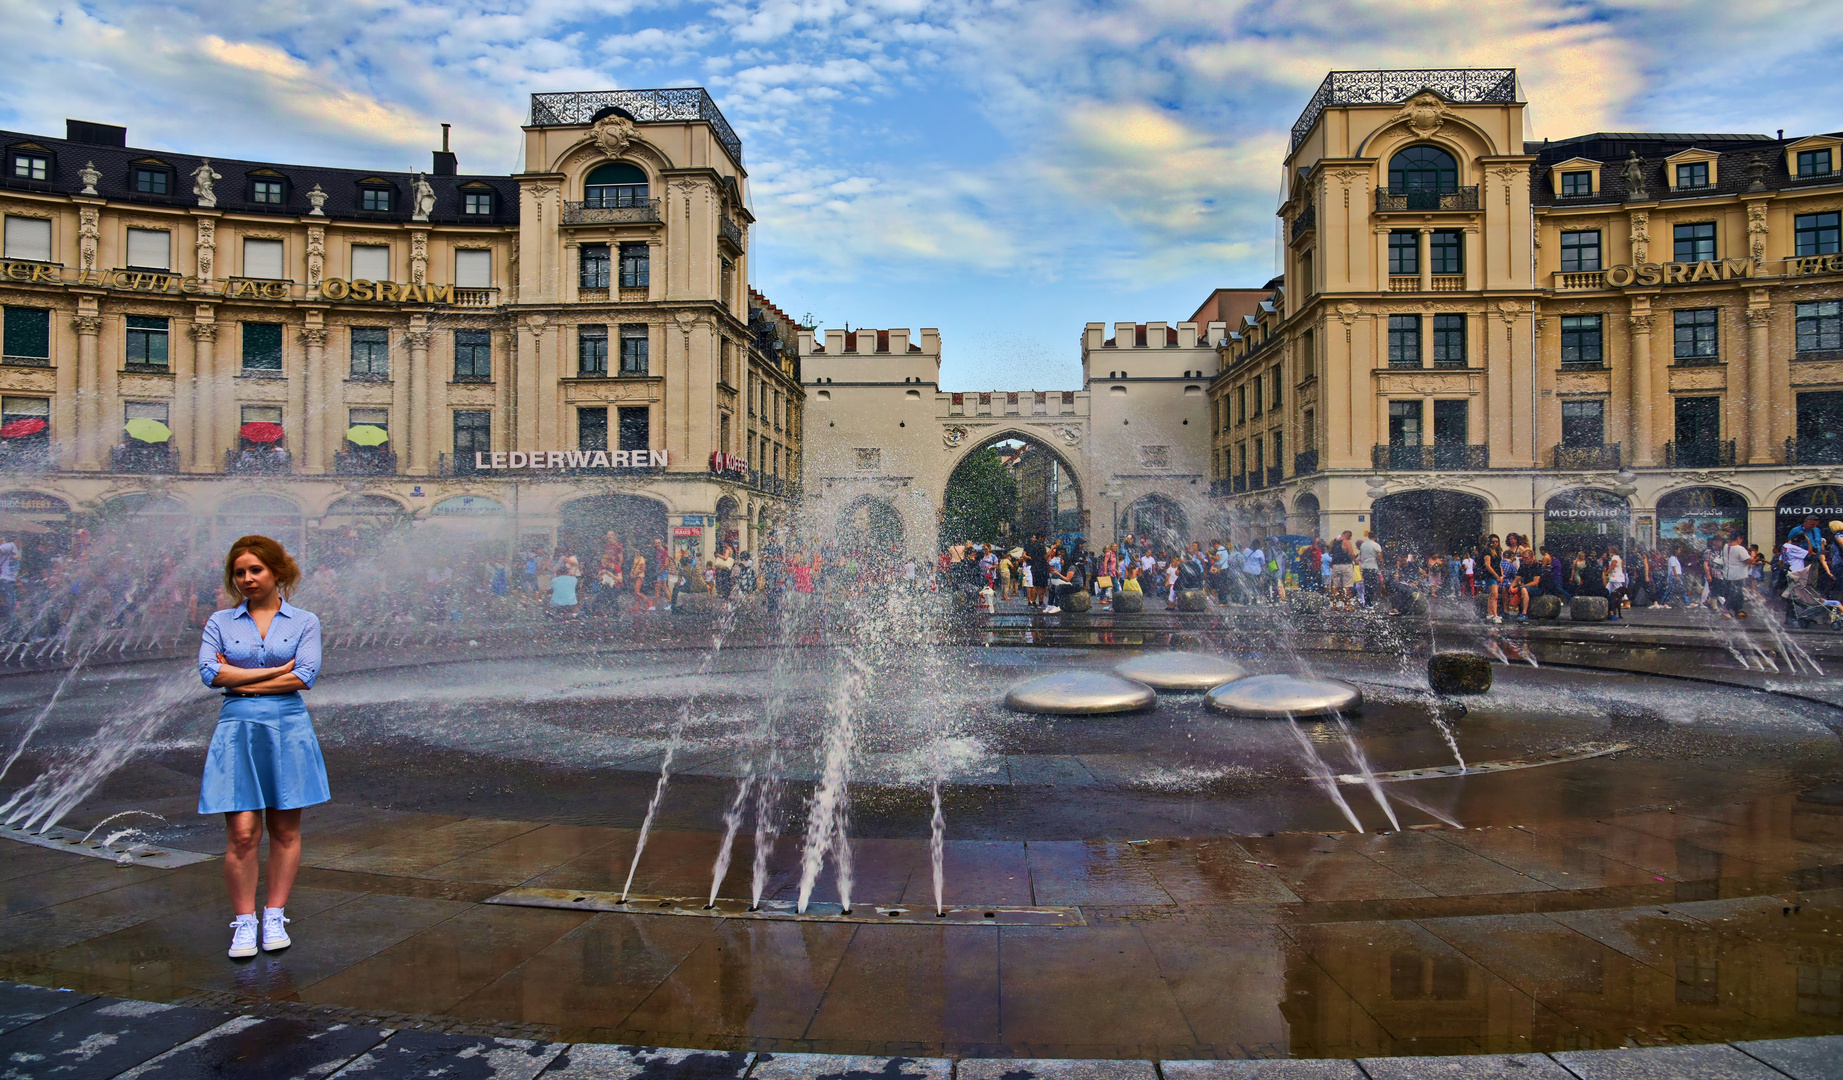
1005,170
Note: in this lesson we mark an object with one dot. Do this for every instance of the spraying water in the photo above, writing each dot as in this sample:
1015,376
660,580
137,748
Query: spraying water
937,846
1321,773
1361,760
829,810
732,820
1438,815
767,826
1446,732
39,720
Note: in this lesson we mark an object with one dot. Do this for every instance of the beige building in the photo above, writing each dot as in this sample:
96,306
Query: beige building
538,357
1477,335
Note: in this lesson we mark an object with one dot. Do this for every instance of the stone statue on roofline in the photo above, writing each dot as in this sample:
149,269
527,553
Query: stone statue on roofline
425,198
1634,173
202,179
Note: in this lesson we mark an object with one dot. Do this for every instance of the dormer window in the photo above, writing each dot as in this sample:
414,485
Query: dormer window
477,203
150,180
1694,174
1576,183
376,195
1816,162
268,188
30,166
616,184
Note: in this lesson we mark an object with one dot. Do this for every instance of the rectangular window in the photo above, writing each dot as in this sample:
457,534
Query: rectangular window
1308,356
371,262
147,342
636,266
34,447
1580,251
592,350
1814,162
1308,433
1449,341
1694,243
1576,183
477,203
1256,394
473,269
371,353
260,414
633,350
1817,234
1404,341
26,335
1581,341
1278,442
28,238
1260,462
1819,326
268,192
31,167
594,266
149,249
262,346
1697,334
151,181
144,410
1698,428
1446,251
636,428
263,259
1404,252
473,355
592,428
1405,423
377,418
374,198
1450,423
473,434
1241,405
1583,423
1819,427
1693,175
1273,380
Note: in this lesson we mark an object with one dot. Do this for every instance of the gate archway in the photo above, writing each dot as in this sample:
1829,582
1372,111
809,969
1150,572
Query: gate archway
1156,516
1044,497
870,524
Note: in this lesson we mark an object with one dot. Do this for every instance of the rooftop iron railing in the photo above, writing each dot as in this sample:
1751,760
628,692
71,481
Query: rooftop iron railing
684,103
1466,86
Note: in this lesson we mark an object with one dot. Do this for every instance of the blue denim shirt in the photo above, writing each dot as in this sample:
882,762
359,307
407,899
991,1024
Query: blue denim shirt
293,635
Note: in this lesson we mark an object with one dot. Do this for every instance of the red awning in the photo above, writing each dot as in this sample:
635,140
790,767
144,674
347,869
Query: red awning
31,425
261,431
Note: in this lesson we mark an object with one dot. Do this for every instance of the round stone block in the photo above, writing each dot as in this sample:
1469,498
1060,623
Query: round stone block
1180,671
1588,609
1545,607
1192,600
1458,673
1128,603
1276,697
1076,601
1408,600
1070,693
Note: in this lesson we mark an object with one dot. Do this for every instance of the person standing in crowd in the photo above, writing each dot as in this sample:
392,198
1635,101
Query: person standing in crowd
1736,570
1369,557
264,765
9,581
1343,570
725,568
1492,577
1617,584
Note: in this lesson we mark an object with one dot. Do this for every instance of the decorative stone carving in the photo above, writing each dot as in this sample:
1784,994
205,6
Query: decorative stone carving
203,178
87,325
1068,433
954,436
316,253
1756,173
206,246
89,232
418,339
314,337
1756,230
316,198
1640,236
1758,317
1345,177
419,256
89,174
1424,113
204,331
612,134
1634,173
424,196
1641,324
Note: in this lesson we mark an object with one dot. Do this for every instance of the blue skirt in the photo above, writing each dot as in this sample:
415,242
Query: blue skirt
263,756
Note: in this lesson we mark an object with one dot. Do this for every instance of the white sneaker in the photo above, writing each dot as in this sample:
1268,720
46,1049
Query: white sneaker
1052,610
243,937
275,930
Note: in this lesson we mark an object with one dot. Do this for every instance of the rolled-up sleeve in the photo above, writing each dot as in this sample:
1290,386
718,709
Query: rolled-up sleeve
307,653
209,646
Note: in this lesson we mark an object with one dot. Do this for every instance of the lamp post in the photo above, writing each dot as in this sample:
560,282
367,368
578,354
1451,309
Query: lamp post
1115,496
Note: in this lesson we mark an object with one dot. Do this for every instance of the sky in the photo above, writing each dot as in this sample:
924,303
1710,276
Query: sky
1003,170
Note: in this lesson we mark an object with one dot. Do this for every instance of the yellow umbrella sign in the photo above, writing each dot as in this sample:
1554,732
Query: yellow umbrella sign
148,430
367,435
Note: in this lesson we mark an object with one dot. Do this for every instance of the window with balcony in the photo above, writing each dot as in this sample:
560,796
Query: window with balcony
616,184
27,238
147,343
1449,341
25,336
28,166
1817,234
592,350
263,259
1404,252
592,428
595,267
1574,184
150,249
636,428
1405,423
31,448
633,350
1818,328
473,434
1698,433
1697,335
1694,242
1815,162
365,458
1820,428
1583,424
262,348
371,353
473,356
1446,251
1404,341
1451,421
1582,343
1423,168
1580,251
150,180
1694,174
636,266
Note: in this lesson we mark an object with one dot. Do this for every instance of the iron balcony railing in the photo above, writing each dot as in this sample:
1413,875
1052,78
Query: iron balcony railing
140,457
1587,457
571,108
1241,483
1699,454
599,213
1305,463
1441,457
1275,474
1459,86
269,461
1219,487
1305,221
365,462
1459,198
1820,451
731,231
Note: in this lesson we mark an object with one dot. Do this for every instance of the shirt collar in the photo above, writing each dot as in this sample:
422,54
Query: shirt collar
287,611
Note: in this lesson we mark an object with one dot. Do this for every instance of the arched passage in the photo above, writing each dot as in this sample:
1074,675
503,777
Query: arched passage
1429,522
730,522
1694,516
870,524
1010,486
1158,517
637,522
1305,517
1585,518
266,515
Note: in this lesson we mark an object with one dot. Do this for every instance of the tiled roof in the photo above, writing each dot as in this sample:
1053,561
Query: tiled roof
1737,154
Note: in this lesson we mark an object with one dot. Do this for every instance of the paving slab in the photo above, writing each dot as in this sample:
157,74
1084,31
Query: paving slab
1817,1058
416,1055
843,1067
1054,1069
1263,1069
22,1005
274,1049
100,1038
1715,1061
1466,1067
591,1061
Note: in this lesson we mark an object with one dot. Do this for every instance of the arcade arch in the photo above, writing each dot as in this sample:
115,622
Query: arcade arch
1046,496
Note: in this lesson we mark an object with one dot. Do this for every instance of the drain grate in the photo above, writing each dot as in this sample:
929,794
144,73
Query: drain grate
993,915
1580,752
58,838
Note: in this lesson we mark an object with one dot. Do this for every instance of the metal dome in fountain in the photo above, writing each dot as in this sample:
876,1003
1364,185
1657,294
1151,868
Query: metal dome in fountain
1276,697
1074,693
1180,671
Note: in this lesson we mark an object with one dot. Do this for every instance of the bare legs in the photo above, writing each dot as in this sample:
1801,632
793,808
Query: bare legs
243,835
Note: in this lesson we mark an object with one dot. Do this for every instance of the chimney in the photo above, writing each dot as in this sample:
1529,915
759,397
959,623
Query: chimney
446,164
82,131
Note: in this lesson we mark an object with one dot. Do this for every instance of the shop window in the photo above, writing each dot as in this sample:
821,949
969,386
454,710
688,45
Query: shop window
148,338
371,353
1694,242
594,259
1583,424
28,238
1817,234
1697,335
473,355
1404,341
1582,343
1449,341
592,350
1580,251
262,347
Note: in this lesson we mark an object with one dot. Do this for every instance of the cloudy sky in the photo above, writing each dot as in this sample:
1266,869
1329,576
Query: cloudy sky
1005,170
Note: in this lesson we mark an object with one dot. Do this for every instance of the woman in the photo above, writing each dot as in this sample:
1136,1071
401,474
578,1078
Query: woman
1615,583
1493,577
264,759
563,588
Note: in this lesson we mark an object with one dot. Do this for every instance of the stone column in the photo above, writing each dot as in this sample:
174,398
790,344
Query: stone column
1759,442
1426,249
204,370
314,458
655,269
90,440
421,459
1638,399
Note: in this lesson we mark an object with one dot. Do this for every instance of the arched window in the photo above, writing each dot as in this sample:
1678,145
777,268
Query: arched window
615,184
1423,168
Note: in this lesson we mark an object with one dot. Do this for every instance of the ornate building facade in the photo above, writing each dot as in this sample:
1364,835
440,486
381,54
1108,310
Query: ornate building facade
540,357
